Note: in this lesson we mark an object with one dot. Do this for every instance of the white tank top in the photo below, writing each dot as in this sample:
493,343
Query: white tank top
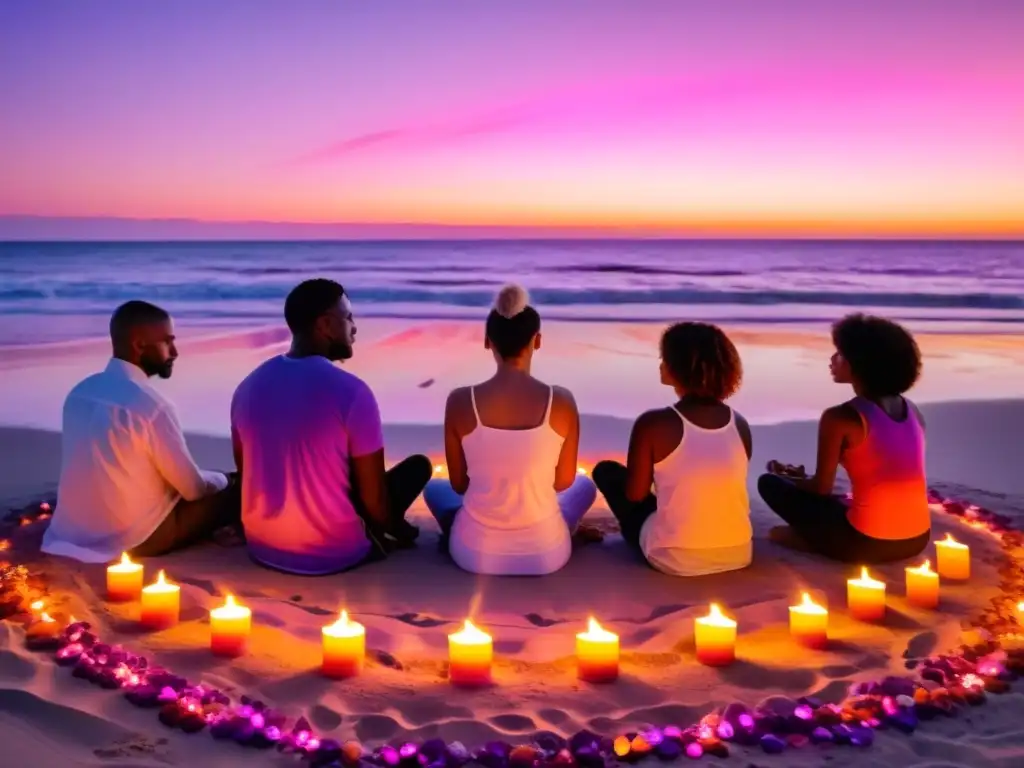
701,488
510,511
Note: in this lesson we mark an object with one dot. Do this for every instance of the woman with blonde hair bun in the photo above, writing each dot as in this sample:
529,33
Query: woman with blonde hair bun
514,496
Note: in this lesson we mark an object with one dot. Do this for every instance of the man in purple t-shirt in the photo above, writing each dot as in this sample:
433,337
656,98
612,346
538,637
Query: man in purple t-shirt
310,449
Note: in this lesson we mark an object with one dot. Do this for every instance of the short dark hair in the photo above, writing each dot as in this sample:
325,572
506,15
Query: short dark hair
702,360
132,314
308,301
883,356
509,336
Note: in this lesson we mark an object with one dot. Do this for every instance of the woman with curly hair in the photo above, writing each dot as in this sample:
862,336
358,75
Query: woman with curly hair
878,438
695,454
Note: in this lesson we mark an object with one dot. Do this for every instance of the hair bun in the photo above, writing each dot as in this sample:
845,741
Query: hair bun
511,300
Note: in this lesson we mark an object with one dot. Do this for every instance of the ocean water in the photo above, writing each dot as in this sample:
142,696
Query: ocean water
57,291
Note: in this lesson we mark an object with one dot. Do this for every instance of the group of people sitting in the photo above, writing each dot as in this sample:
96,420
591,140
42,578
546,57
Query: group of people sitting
312,496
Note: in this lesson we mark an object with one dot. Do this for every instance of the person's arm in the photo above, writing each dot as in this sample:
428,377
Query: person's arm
745,435
366,453
236,448
832,429
454,455
568,418
174,462
640,459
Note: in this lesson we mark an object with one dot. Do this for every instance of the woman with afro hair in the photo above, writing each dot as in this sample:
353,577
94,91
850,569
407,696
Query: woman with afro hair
878,438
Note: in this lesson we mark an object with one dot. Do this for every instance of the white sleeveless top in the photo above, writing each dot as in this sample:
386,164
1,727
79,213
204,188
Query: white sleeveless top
510,523
702,524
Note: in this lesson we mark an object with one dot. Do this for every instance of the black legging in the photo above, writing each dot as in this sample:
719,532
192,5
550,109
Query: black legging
404,482
191,522
821,522
610,479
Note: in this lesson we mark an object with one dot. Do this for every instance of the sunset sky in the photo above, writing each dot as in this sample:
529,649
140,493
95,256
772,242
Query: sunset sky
720,118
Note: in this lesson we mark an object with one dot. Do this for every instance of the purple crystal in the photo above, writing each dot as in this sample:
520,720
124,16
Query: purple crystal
144,695
273,733
672,732
408,750
652,736
905,721
258,721
694,750
458,753
862,737
842,734
803,712
725,731
387,756
747,722
243,732
434,749
668,749
772,744
821,735
898,686
328,751
584,739
589,756
167,694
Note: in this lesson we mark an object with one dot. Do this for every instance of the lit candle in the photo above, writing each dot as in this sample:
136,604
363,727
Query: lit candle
923,586
866,597
124,580
470,652
597,654
715,638
954,559
43,631
229,628
808,623
344,647
581,470
161,603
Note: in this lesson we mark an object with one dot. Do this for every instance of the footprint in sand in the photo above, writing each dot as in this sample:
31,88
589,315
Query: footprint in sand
512,723
376,728
324,718
539,621
419,620
921,645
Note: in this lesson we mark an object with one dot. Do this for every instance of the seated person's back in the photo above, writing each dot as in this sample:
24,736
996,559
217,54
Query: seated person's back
310,447
514,495
695,454
127,480
298,422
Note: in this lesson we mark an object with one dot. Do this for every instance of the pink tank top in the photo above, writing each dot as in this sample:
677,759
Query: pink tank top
887,475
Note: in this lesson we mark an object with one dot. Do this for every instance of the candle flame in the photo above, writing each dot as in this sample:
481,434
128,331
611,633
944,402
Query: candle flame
807,605
37,606
438,469
715,617
597,633
343,627
865,580
581,470
125,564
161,584
924,568
949,541
45,617
470,635
230,609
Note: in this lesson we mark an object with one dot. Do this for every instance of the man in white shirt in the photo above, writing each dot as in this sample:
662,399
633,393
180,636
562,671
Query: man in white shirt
128,482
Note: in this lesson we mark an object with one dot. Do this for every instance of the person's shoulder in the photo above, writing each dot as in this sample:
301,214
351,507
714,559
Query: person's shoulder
656,417
562,397
460,397
844,414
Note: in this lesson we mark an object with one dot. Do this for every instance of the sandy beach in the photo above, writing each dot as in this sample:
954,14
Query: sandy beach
411,602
